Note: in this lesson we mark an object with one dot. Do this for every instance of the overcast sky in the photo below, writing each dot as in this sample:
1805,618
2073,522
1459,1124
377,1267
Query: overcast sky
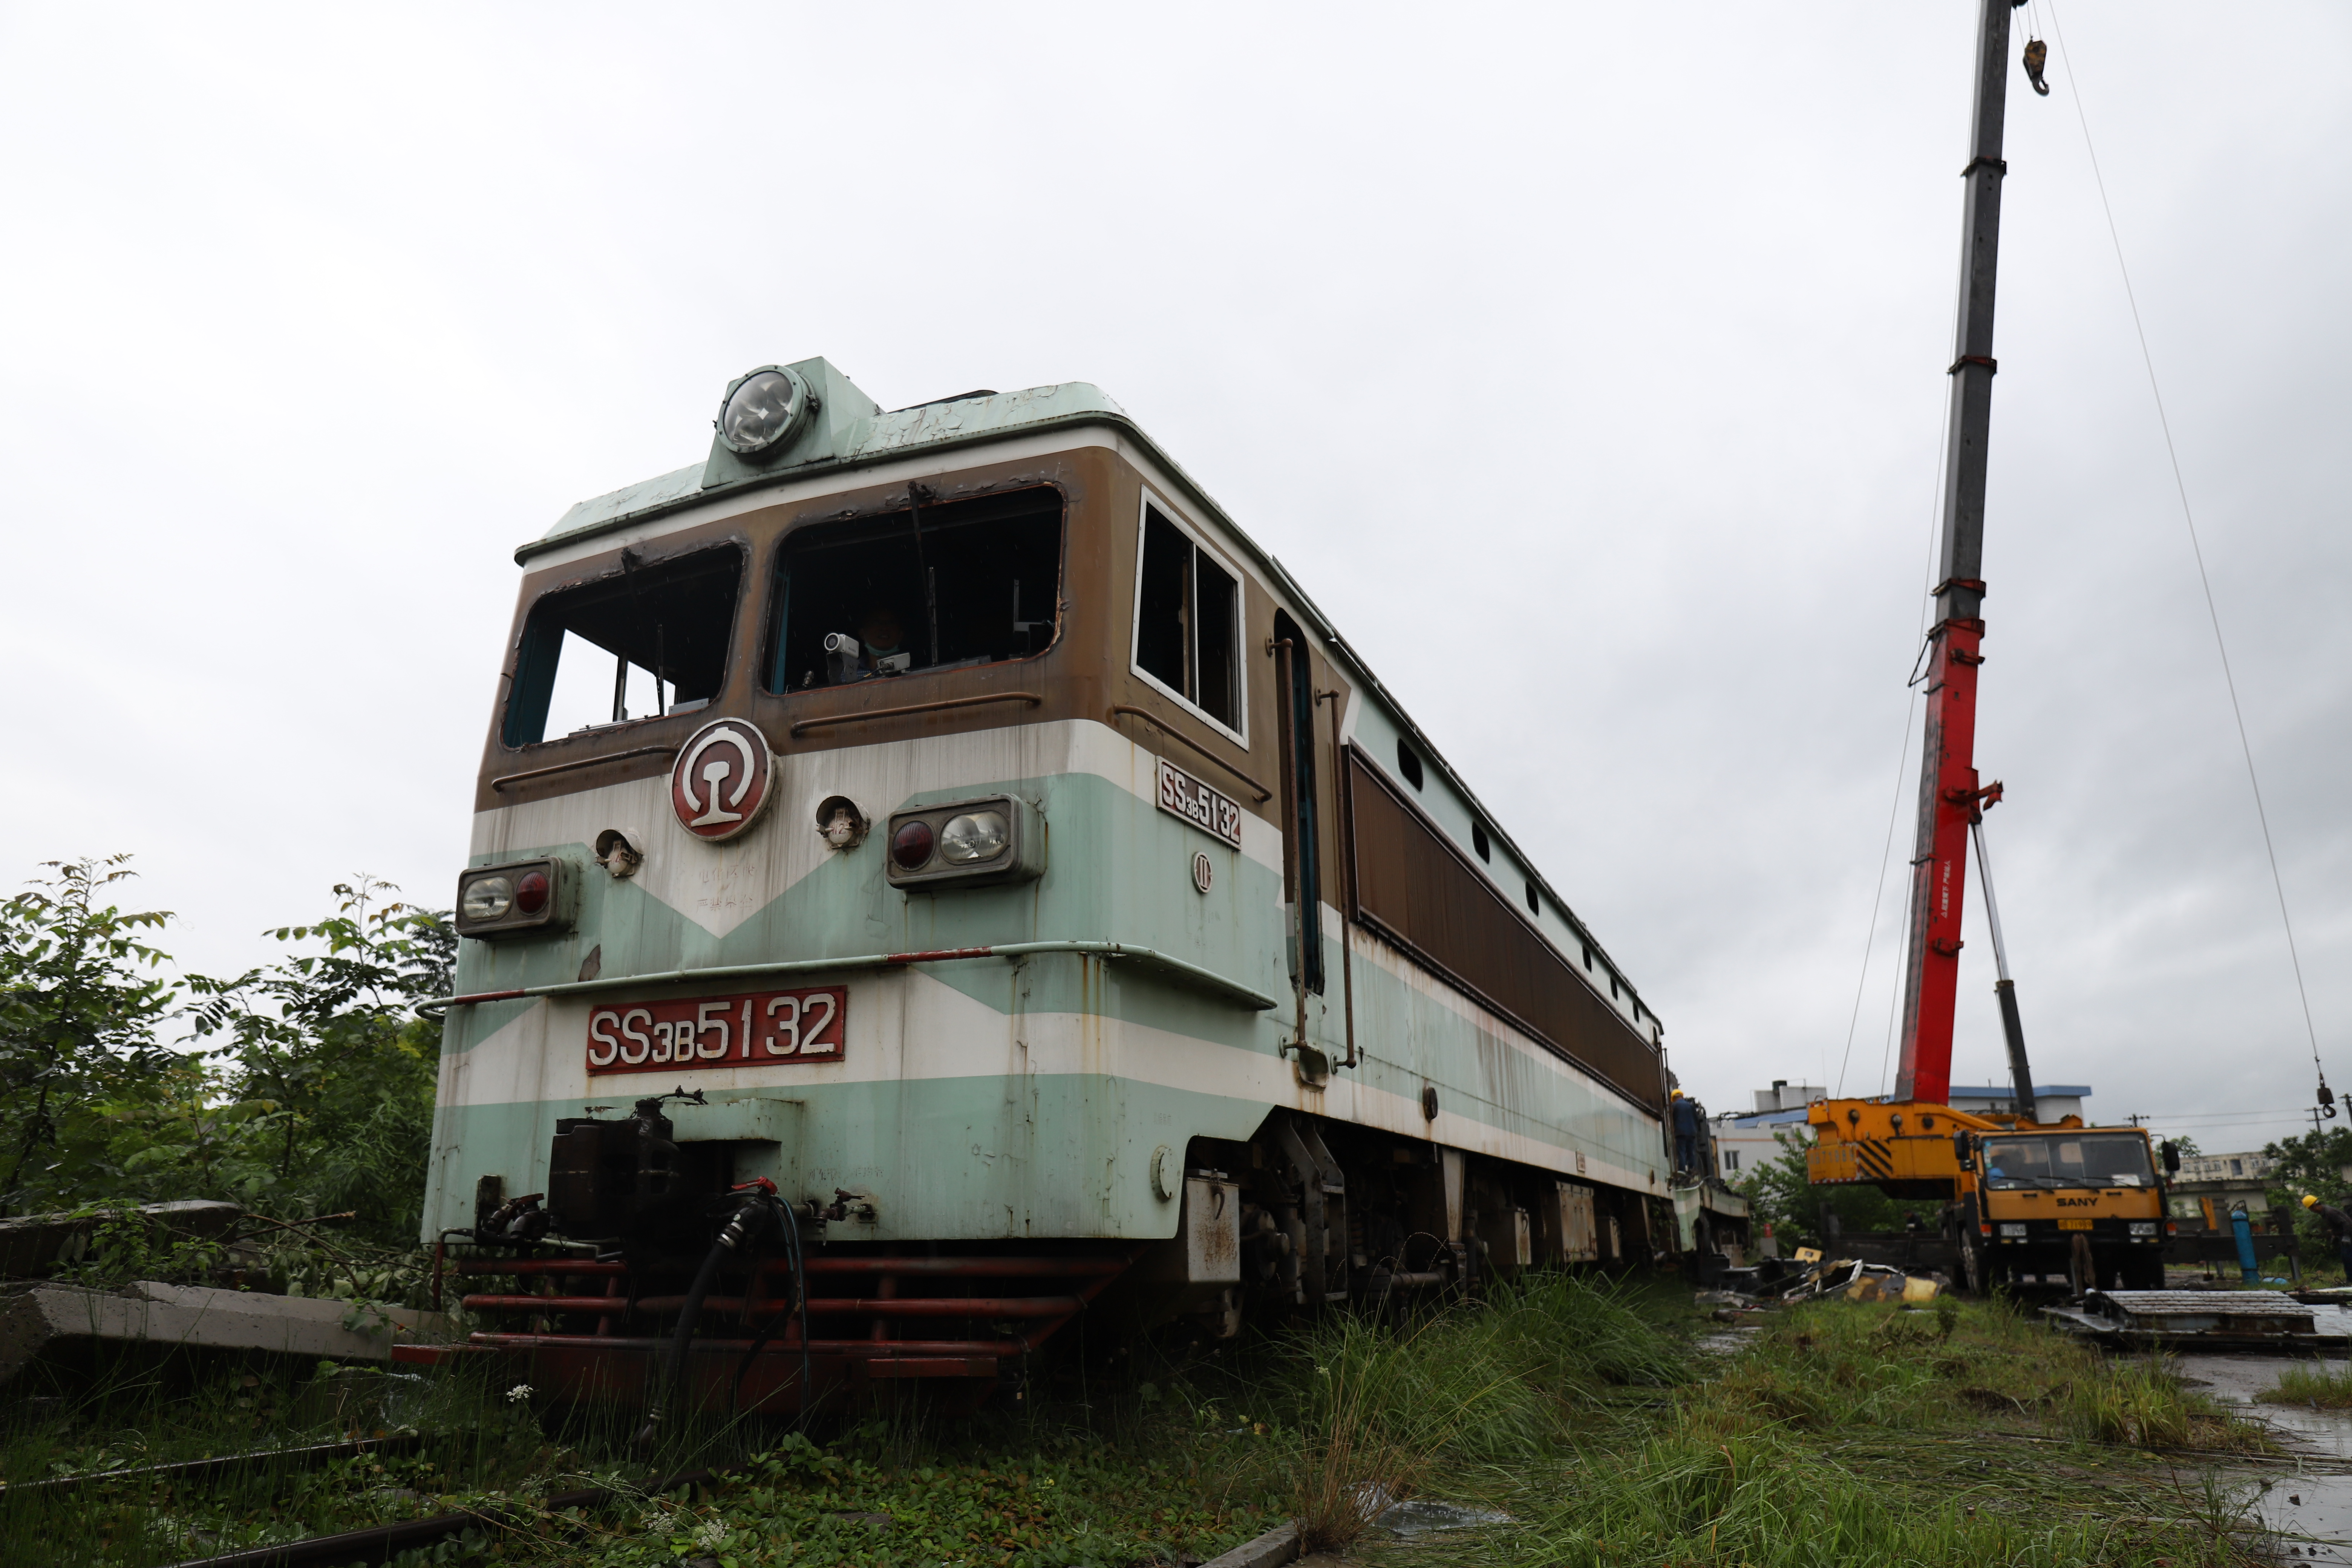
1585,363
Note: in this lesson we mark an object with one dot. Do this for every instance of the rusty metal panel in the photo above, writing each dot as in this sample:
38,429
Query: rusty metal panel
1412,885
1581,1237
1213,1235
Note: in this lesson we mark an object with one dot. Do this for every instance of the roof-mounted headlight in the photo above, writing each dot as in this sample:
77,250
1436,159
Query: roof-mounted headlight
763,408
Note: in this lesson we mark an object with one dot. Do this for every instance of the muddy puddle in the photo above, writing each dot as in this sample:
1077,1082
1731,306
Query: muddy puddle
1419,1516
2307,1499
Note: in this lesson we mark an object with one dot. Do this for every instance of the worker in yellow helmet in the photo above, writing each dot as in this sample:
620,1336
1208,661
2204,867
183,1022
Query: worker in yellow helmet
1683,1113
2339,1228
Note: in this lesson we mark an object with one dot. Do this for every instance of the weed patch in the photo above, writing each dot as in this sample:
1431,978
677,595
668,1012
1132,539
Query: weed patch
1575,1415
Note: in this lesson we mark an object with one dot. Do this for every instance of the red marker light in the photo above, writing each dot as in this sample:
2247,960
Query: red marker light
911,845
531,892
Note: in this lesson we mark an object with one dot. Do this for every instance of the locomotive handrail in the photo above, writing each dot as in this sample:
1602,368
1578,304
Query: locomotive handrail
1181,737
528,773
1175,968
1030,698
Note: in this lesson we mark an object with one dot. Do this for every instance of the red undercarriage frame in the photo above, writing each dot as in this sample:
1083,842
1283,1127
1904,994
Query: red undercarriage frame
863,1326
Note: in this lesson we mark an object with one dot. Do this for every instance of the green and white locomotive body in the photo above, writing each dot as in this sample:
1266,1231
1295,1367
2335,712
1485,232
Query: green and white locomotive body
948,877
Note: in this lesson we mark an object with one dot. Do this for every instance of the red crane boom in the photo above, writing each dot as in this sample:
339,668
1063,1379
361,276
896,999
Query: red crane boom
1950,800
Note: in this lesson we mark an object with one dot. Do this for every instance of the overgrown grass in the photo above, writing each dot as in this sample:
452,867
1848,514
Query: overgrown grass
2145,1406
2313,1383
1072,1486
1842,1433
1845,1433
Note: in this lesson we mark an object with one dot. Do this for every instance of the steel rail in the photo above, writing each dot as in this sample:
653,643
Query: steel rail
818,1306
1176,968
381,1543
855,1350
317,1453
989,1268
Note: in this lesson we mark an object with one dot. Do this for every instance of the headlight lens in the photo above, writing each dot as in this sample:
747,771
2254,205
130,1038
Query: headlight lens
2143,1228
975,836
2016,1230
488,897
759,411
911,845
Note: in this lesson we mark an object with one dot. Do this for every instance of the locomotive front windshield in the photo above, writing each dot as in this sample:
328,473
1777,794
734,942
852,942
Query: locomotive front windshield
648,639
2067,1160
961,583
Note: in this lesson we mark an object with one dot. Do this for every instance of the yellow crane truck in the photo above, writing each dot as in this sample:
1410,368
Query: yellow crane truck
2024,1203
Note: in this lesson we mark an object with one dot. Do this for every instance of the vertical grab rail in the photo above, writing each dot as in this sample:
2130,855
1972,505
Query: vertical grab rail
1293,865
1346,869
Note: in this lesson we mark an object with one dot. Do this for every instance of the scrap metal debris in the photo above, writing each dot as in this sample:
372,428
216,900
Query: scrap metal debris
1781,1284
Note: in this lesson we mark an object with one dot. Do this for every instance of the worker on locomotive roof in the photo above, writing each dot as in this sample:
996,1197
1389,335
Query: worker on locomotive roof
2339,1227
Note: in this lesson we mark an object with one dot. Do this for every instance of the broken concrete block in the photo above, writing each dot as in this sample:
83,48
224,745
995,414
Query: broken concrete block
35,1318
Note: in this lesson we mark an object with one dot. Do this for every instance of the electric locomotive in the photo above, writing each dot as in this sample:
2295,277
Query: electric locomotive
934,876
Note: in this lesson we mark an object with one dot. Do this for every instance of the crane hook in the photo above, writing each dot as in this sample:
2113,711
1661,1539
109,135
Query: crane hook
2326,1098
2037,55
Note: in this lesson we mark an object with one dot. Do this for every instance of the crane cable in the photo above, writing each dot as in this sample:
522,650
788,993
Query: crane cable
1894,812
2229,680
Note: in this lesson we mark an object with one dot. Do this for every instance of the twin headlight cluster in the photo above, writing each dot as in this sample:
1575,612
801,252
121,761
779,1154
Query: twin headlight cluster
970,843
524,897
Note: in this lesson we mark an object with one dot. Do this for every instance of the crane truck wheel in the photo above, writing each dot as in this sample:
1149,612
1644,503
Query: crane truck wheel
1972,1257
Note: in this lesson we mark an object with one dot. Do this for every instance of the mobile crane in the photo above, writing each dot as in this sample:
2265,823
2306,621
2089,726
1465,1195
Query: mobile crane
2024,1202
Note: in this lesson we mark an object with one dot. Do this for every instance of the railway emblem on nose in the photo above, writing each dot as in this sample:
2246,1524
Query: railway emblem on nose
721,779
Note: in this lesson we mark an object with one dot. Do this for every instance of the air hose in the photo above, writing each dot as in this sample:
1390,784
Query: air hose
750,1218
792,1234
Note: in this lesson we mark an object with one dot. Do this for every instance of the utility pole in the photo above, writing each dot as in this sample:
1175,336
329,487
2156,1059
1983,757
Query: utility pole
1948,783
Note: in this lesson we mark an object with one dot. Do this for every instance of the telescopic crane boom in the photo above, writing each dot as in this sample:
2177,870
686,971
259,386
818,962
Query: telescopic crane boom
1950,802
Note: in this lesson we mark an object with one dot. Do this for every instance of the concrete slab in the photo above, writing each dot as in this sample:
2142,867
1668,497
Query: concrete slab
36,1317
1272,1549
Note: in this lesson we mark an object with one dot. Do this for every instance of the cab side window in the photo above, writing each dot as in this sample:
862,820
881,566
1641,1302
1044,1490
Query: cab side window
1188,621
648,639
